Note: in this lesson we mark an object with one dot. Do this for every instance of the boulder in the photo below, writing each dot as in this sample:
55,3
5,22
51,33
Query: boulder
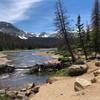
6,69
30,86
2,92
97,63
12,94
23,90
76,70
49,81
19,96
96,73
80,84
36,89
28,93
94,80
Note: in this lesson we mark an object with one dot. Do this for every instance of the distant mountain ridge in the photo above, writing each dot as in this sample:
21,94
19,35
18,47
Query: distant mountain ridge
10,29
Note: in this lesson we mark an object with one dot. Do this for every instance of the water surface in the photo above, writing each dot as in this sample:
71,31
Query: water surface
19,79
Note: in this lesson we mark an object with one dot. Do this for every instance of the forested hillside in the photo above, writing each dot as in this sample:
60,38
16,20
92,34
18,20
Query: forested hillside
8,42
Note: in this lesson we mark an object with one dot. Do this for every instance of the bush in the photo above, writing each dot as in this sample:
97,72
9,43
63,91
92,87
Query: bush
64,59
5,97
62,72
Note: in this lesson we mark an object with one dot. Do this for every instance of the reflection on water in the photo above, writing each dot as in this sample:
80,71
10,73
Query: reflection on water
22,59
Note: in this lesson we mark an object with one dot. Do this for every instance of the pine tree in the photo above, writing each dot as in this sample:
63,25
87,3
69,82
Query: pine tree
81,34
96,27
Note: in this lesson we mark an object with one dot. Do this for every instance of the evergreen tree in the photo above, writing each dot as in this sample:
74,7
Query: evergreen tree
96,27
81,34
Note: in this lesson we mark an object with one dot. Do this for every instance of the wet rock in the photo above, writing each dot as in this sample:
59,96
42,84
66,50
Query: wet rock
19,96
76,70
97,63
28,93
12,94
49,81
2,92
80,84
30,86
23,90
36,89
6,69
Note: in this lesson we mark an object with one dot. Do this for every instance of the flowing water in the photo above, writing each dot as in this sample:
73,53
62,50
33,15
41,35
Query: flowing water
19,79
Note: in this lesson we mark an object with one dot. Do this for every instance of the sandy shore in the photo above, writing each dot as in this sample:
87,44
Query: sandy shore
3,58
63,88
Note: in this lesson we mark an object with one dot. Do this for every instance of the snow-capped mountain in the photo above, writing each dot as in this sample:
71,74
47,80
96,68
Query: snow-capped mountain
10,29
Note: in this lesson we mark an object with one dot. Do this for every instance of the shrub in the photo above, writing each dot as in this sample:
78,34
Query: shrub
64,59
62,72
5,97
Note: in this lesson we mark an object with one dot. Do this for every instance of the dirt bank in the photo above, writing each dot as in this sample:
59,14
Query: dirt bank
63,88
3,58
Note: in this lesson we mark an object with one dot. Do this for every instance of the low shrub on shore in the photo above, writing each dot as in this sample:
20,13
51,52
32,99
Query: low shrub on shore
62,72
5,97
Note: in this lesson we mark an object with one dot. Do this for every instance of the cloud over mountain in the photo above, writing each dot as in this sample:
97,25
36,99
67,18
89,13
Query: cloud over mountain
15,10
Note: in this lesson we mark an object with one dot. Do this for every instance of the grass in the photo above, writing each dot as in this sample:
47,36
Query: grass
62,72
5,97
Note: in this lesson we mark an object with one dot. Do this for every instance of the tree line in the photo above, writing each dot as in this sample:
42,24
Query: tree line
9,42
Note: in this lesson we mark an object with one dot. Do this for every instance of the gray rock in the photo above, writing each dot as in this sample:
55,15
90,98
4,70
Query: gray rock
19,96
36,89
2,91
30,86
28,93
76,70
81,84
12,94
23,90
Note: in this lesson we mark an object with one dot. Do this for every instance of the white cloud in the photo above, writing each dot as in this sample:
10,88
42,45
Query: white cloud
15,10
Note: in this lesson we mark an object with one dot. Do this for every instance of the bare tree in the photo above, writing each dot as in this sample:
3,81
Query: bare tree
96,26
62,27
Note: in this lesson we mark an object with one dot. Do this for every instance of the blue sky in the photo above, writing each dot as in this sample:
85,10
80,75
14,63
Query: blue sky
38,15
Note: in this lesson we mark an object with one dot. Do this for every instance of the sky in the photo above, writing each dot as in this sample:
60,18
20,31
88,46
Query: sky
38,15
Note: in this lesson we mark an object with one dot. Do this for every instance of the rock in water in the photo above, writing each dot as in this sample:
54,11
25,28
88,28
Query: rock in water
81,84
36,89
28,93
30,86
76,70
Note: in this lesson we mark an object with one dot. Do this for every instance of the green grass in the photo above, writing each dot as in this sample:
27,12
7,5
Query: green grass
5,97
62,72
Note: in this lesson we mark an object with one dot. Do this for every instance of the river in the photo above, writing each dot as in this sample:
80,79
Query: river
24,58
